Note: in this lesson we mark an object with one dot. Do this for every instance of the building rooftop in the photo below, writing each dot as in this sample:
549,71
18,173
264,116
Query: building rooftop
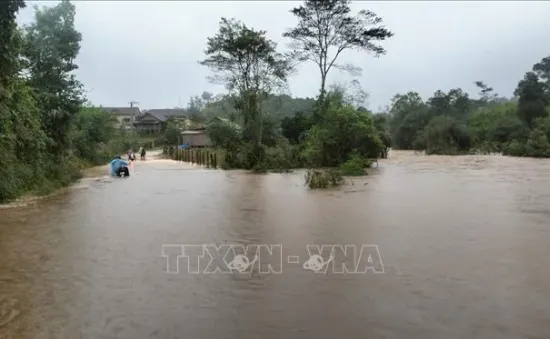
163,114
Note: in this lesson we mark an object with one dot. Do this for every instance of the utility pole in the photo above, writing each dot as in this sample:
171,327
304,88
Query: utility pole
132,102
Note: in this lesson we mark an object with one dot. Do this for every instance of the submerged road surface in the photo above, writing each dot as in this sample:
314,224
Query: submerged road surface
463,243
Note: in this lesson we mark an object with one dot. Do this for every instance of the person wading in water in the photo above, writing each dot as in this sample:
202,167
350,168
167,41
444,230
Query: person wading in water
131,155
142,153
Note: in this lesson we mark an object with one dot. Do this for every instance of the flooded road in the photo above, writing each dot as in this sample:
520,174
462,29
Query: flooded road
464,242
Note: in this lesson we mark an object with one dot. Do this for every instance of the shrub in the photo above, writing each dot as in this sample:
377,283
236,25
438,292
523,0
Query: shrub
514,148
280,158
323,178
355,166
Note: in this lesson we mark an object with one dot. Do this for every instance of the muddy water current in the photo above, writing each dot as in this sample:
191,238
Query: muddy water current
463,248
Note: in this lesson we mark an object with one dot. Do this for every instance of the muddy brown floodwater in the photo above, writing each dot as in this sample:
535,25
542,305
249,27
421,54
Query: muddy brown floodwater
464,242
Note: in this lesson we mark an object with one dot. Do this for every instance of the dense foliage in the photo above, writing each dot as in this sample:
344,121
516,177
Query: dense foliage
454,123
47,133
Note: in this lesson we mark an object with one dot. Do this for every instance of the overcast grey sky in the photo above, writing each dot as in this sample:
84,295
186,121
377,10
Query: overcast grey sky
148,50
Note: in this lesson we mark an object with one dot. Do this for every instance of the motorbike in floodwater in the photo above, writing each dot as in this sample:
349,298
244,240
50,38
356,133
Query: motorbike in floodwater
123,172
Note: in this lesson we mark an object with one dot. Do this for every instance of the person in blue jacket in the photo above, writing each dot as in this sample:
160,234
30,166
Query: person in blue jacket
119,167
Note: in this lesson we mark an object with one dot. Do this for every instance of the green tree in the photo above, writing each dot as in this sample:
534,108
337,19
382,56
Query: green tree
327,28
276,106
21,136
92,130
247,62
446,135
542,70
408,117
221,105
223,135
98,124
295,128
172,132
493,126
351,93
9,69
507,128
9,46
281,106
533,100
51,45
381,122
343,132
195,105
195,108
486,93
455,103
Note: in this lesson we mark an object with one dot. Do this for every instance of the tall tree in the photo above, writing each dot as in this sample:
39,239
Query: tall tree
294,128
326,28
247,62
454,103
9,67
8,42
486,93
21,136
195,105
52,45
195,108
352,93
408,117
9,61
533,99
542,69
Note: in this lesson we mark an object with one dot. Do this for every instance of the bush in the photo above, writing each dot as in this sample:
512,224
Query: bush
323,178
280,158
355,166
537,146
514,148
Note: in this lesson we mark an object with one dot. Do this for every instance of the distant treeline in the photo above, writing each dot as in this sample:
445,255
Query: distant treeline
454,123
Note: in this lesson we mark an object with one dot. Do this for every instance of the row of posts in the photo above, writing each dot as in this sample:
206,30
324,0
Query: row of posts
194,155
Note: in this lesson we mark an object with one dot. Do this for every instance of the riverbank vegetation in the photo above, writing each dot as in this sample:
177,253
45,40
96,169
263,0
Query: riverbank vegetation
330,131
48,131
453,123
